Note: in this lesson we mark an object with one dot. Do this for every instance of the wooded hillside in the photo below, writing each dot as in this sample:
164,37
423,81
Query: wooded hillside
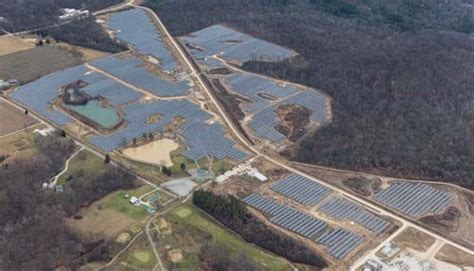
401,74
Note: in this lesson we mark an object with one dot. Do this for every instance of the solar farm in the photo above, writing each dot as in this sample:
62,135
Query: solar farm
338,242
215,44
318,213
233,45
267,95
135,26
414,199
134,88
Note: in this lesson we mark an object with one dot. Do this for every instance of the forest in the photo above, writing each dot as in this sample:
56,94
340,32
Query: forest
233,214
33,225
32,14
400,73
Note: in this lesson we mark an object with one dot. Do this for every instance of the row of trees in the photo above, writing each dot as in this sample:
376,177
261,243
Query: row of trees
399,72
233,214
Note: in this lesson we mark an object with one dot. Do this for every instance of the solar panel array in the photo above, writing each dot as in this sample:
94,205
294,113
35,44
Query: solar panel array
251,86
40,94
287,217
339,208
202,139
132,71
340,242
137,28
209,139
414,199
264,110
301,189
234,45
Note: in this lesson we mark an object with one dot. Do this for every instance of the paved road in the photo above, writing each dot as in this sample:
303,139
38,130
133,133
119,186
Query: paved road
283,164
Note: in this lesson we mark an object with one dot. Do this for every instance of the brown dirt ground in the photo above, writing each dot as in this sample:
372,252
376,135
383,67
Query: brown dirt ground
455,256
9,45
294,121
100,221
13,119
414,239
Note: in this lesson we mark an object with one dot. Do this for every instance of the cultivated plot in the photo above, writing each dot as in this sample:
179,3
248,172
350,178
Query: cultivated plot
13,119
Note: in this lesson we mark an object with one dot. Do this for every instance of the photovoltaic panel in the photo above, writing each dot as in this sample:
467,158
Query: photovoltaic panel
233,45
137,28
301,189
414,199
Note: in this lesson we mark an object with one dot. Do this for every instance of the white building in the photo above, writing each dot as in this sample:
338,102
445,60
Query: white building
70,13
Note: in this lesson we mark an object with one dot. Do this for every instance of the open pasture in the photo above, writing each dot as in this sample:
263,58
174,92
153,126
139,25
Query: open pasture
34,63
9,45
13,119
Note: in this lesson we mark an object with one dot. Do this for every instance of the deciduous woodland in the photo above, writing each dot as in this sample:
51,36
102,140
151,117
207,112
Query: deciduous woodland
33,230
401,74
31,14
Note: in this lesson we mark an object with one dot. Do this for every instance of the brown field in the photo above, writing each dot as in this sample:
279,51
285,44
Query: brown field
455,256
97,220
13,119
31,64
414,239
87,54
9,45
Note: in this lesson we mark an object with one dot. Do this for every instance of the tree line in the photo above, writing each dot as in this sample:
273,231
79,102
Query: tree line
233,214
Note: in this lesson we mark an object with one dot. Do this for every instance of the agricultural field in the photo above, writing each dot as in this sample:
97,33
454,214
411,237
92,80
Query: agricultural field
13,119
10,45
188,232
34,63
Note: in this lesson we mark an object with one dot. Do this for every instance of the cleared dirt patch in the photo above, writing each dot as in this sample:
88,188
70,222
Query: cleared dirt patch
97,220
13,119
455,256
31,64
446,222
157,152
294,121
414,239
363,186
9,45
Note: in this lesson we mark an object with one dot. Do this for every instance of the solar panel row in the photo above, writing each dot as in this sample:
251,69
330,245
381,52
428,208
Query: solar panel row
414,199
301,189
234,45
340,242
340,208
287,217
132,71
136,28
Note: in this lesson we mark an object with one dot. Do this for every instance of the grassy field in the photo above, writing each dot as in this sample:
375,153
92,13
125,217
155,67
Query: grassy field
84,164
219,167
19,142
13,119
118,202
9,45
31,64
192,228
